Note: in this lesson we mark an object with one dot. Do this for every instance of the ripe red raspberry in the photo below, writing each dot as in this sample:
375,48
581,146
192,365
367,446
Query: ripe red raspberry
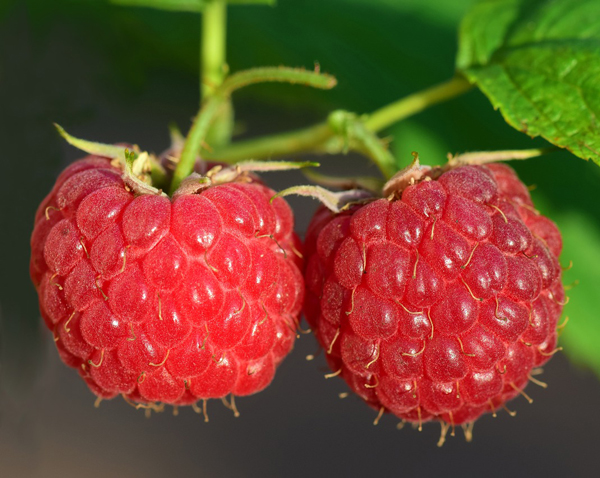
166,300
437,302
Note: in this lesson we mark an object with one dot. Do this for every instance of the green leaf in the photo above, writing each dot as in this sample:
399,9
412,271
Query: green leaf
184,5
478,39
538,61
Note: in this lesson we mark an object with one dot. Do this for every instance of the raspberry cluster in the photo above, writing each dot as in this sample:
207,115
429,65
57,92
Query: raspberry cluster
166,300
437,302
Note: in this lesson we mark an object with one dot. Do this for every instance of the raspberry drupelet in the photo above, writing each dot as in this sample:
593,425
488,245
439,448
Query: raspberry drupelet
437,302
164,299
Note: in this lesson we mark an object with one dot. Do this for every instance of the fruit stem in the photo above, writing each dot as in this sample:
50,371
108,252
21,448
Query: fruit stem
213,53
417,102
211,106
317,138
194,140
213,47
370,145
310,139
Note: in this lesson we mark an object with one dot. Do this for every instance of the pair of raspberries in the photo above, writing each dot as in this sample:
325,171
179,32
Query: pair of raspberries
435,303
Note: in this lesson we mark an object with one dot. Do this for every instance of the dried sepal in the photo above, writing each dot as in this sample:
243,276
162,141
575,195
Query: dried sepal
334,201
100,149
406,177
368,183
136,173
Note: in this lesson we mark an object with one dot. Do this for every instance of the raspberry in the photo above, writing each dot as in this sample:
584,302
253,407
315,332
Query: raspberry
437,302
166,300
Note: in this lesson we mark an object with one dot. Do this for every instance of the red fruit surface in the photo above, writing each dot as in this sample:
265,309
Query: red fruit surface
437,303
166,300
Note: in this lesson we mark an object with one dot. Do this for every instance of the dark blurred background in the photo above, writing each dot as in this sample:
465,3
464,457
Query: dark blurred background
111,74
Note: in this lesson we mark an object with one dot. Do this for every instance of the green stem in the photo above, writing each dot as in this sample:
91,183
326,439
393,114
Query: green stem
194,140
355,136
417,102
268,147
281,74
208,114
371,146
213,47
315,138
214,69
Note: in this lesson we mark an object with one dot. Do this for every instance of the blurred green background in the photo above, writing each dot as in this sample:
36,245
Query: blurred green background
110,73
